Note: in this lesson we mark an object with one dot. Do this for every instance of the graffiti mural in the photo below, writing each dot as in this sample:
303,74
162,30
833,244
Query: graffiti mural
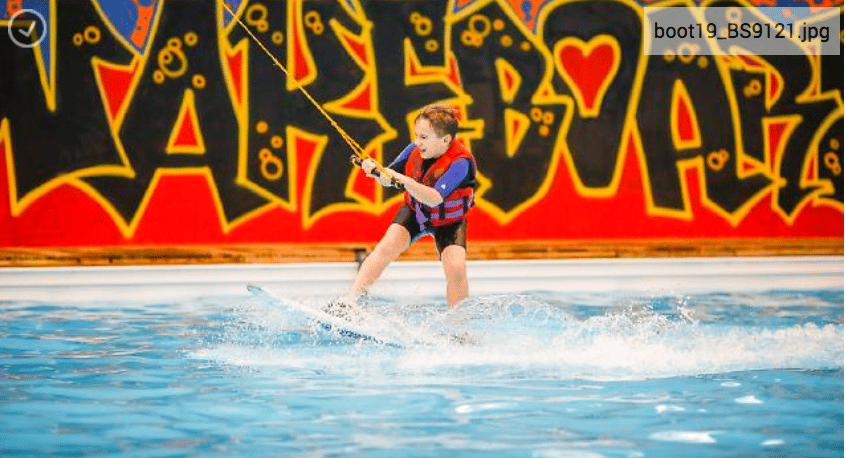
205,121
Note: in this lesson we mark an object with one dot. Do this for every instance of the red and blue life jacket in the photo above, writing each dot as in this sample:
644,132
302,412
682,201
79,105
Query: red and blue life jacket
456,205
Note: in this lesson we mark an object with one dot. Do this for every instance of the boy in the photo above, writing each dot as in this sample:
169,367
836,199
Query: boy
439,176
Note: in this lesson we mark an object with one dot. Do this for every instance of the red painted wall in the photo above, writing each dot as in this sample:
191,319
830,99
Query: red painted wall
189,134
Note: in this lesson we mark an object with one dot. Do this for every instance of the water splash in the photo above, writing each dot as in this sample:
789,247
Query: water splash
550,336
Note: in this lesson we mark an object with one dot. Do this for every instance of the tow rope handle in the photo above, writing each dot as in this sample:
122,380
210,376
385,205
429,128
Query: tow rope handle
394,182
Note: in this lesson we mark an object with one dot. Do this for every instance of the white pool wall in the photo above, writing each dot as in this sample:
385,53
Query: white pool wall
625,275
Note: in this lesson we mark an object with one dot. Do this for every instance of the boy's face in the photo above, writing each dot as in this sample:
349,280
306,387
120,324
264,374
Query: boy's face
431,145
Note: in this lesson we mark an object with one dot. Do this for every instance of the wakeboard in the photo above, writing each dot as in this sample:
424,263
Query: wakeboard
325,321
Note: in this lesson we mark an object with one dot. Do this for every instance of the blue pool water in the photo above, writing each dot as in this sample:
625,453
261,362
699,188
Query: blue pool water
546,375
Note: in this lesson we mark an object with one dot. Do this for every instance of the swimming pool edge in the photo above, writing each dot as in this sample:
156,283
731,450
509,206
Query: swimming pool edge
653,276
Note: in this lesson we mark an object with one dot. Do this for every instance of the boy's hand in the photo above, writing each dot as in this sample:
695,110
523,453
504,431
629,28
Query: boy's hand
383,177
367,166
389,178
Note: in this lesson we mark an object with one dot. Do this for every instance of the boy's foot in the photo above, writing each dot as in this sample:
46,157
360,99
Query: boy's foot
463,338
342,307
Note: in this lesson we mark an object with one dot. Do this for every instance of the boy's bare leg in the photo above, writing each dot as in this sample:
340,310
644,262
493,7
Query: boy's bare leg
454,261
393,243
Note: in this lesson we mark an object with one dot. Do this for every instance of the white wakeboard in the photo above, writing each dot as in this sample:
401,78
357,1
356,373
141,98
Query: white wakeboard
324,320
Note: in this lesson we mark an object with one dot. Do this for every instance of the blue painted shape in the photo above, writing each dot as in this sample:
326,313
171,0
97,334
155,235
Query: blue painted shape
526,6
123,14
233,5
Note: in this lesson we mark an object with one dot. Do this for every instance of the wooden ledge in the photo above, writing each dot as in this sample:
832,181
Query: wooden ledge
422,251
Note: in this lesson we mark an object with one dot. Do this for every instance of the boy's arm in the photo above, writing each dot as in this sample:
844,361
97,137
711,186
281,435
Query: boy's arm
398,164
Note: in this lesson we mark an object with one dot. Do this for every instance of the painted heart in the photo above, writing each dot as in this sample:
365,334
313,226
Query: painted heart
588,68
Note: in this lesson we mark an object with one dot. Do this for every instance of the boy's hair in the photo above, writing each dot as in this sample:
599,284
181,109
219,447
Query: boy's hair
444,120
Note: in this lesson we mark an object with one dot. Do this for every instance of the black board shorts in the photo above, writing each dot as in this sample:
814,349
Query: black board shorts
451,234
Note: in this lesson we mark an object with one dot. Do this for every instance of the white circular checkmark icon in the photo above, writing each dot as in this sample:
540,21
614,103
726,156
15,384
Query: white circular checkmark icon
25,33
